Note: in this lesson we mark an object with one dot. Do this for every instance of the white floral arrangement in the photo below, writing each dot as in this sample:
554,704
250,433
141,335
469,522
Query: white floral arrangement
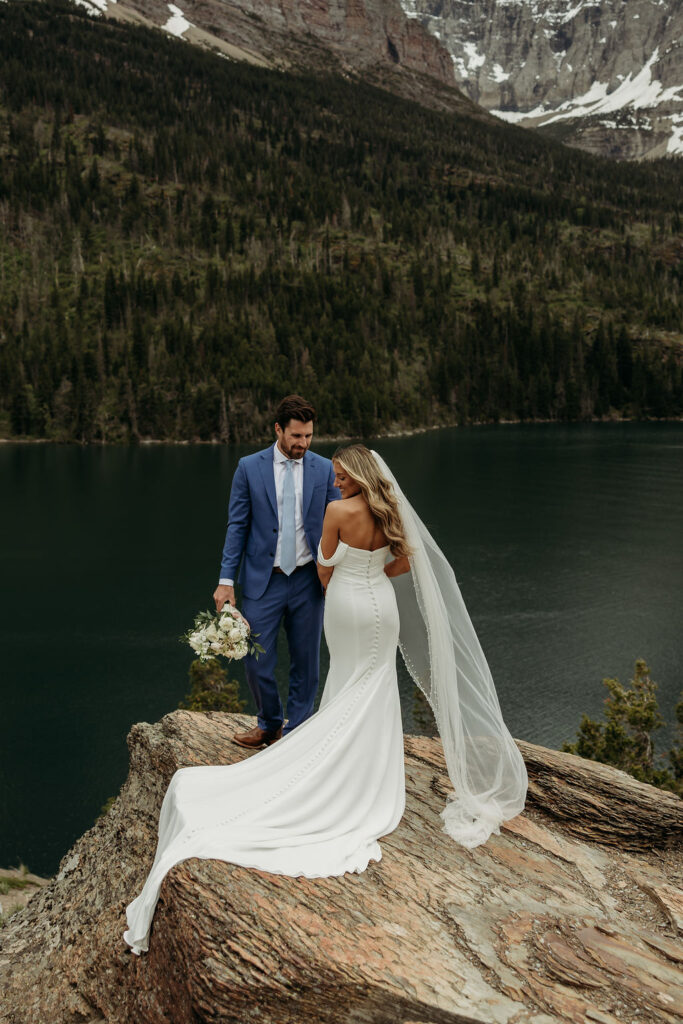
224,634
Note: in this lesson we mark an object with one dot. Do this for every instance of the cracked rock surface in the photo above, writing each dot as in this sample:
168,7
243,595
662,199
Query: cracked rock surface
573,912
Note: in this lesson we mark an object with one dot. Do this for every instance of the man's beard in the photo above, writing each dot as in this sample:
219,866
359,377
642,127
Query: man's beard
291,453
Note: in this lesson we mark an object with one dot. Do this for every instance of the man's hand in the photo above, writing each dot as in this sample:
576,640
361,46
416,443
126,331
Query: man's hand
222,594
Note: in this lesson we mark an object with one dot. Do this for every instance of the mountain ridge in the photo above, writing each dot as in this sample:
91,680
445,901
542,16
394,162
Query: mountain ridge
608,75
367,38
604,76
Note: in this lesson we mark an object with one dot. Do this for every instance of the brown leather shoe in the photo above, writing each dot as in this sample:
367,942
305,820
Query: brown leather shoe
257,737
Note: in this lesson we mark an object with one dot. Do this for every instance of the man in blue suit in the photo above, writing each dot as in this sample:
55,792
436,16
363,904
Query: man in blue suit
275,521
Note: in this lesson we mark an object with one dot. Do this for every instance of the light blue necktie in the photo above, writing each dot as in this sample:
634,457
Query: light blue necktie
288,538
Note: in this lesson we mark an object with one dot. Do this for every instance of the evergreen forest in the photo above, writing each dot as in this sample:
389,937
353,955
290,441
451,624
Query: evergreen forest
185,239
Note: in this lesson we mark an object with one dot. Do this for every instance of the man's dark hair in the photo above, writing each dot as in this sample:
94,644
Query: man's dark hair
294,407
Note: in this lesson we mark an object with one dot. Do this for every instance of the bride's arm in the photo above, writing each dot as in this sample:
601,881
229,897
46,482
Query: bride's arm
397,567
329,540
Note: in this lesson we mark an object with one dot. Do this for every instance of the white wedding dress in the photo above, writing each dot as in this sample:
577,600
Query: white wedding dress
316,802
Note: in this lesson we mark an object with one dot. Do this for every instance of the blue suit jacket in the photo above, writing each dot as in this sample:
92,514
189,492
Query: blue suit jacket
253,522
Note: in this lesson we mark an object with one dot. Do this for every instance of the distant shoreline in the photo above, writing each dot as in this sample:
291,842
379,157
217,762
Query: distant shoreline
328,438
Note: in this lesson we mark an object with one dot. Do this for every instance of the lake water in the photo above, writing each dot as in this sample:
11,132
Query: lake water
567,542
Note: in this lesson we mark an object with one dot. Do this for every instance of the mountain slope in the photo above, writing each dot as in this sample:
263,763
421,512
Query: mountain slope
371,38
185,238
607,76
603,75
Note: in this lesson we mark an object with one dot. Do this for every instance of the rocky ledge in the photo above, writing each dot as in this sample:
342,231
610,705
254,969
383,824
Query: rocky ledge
571,913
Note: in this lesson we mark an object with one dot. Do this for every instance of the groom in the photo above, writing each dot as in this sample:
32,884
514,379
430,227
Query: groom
275,520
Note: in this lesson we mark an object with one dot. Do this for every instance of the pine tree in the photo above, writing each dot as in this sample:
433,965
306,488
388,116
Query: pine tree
626,740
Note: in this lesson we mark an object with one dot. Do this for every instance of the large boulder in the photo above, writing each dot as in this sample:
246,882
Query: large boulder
572,912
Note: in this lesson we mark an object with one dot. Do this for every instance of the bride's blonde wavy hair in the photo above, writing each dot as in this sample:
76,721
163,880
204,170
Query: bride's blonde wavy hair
359,464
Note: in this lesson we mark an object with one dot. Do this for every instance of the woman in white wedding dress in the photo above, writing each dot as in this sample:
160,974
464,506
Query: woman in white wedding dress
316,802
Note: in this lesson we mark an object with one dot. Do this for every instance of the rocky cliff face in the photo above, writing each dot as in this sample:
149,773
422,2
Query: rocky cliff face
571,913
372,38
607,75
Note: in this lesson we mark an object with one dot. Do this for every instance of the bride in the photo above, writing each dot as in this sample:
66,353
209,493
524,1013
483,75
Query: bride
316,802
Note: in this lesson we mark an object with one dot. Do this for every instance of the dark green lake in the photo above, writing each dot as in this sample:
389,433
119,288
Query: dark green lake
567,543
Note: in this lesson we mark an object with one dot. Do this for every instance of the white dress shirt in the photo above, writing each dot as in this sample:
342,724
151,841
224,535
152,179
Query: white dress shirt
303,551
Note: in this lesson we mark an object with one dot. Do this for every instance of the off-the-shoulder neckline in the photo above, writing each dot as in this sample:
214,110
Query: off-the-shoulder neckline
368,551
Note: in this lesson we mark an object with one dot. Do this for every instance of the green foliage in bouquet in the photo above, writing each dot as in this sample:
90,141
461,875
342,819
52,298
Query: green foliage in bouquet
211,690
625,740
210,636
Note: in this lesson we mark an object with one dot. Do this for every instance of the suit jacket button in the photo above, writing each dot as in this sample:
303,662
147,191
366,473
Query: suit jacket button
275,529
272,554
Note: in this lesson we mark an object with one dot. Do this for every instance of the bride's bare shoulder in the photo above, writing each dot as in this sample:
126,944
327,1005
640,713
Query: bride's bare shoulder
334,511
347,509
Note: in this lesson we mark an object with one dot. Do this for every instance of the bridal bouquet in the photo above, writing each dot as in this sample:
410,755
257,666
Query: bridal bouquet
224,633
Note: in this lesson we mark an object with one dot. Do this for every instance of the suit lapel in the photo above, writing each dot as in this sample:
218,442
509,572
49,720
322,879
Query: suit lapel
268,474
309,481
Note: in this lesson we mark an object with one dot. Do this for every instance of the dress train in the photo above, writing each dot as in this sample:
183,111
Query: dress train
316,802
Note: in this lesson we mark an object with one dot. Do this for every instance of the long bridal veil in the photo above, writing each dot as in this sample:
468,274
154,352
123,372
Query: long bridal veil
443,655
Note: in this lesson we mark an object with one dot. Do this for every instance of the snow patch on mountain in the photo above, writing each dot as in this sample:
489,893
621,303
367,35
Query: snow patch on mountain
498,75
410,9
95,8
639,91
675,144
474,58
571,14
177,24
612,64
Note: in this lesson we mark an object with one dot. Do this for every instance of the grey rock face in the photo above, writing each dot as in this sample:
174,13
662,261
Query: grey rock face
371,38
606,75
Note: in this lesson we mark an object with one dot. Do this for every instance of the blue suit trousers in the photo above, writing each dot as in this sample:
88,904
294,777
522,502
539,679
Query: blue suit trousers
298,600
